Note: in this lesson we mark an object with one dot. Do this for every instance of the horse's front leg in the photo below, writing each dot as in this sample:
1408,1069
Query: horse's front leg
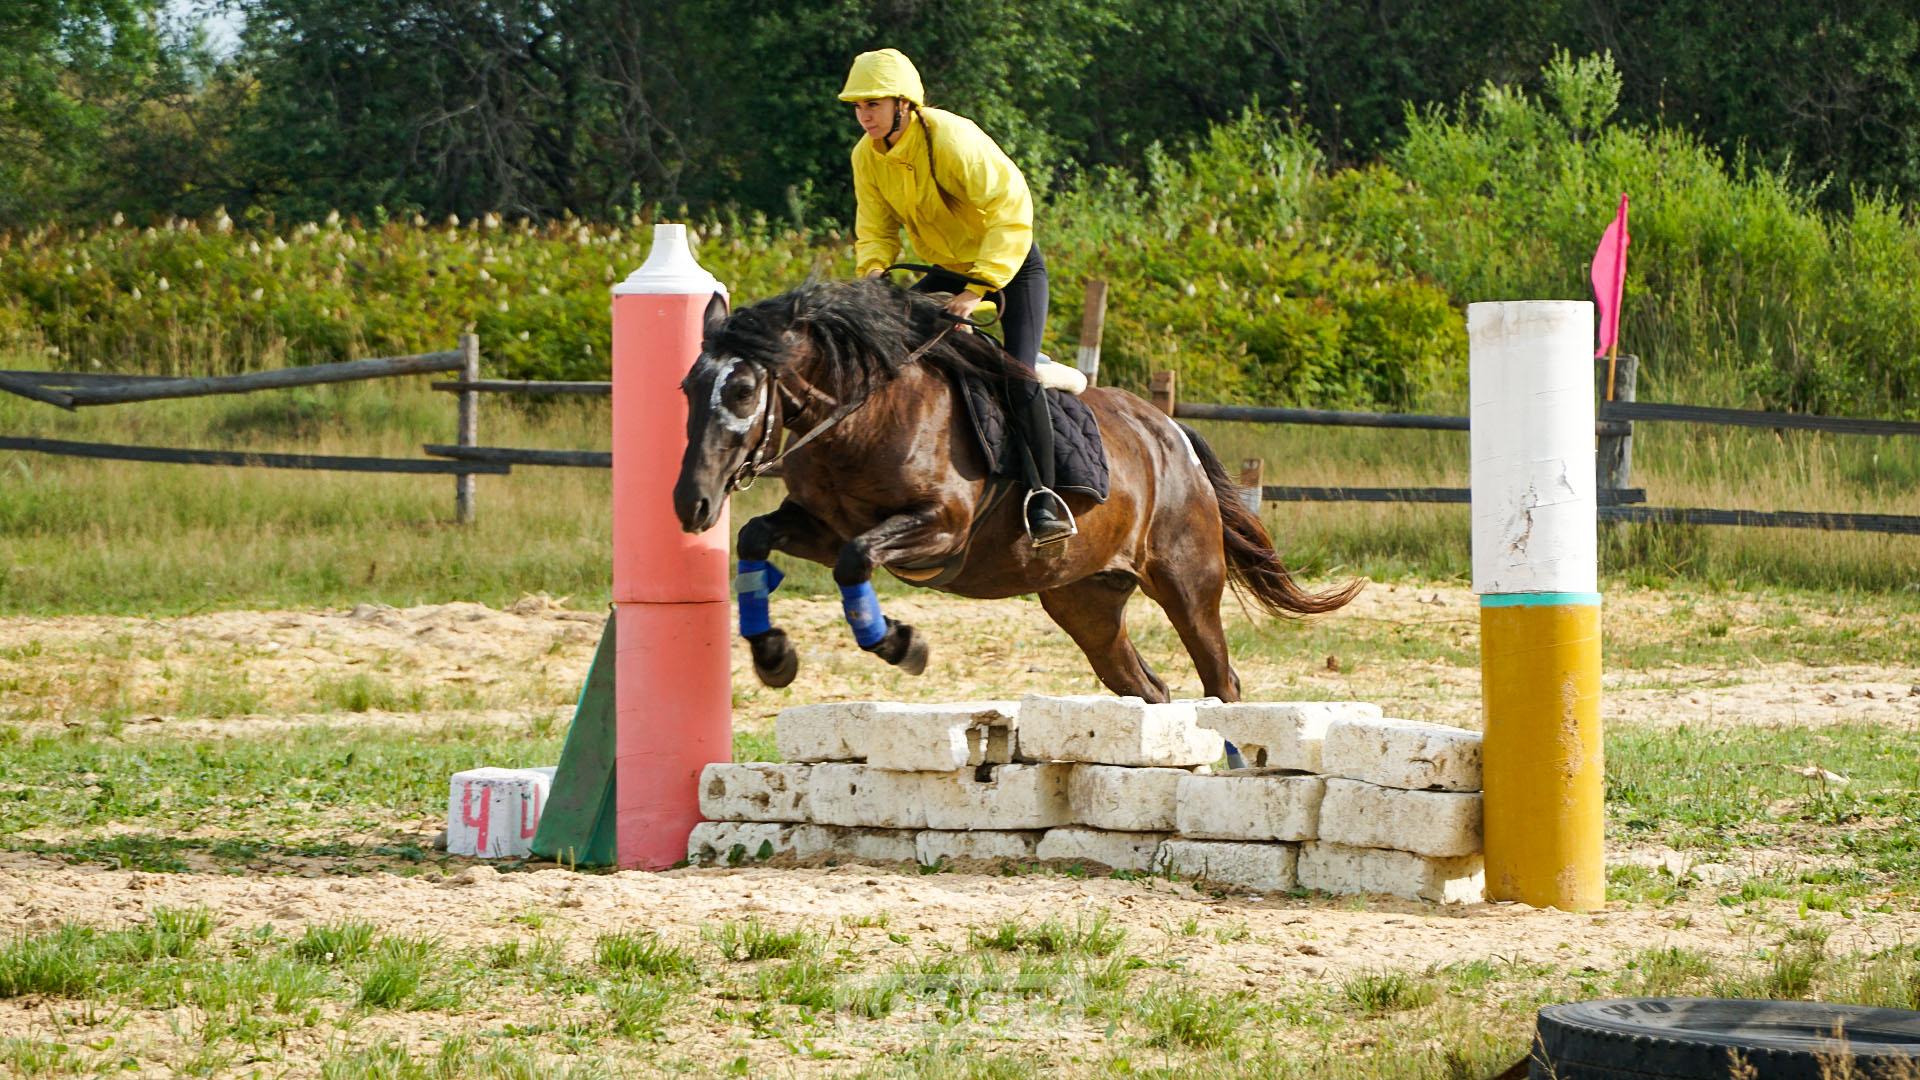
919,535
789,528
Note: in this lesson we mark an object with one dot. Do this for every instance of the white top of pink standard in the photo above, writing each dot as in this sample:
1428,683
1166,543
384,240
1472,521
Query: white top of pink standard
670,268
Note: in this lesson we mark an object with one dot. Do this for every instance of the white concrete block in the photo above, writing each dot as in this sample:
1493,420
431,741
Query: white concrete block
859,845
863,796
1119,850
1249,805
1436,823
1129,800
1280,734
933,845
1411,754
754,791
493,813
1336,868
829,731
1115,731
1012,797
1268,867
713,842
940,738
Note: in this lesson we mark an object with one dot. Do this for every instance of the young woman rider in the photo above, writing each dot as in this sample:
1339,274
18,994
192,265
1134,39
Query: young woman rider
967,210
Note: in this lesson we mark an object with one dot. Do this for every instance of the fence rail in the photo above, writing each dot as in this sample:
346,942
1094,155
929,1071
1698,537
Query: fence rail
173,456
1613,461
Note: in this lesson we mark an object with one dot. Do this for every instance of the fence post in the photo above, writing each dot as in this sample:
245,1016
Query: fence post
1092,325
1613,461
469,435
1165,391
1250,483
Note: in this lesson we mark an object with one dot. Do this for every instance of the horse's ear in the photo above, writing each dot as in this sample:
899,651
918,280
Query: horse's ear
716,310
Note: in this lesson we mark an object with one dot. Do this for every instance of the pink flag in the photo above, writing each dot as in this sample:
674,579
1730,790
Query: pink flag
1610,277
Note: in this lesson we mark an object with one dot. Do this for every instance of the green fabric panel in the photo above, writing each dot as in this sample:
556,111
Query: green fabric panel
576,828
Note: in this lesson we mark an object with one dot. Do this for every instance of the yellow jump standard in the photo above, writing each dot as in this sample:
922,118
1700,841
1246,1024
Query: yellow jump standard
1535,568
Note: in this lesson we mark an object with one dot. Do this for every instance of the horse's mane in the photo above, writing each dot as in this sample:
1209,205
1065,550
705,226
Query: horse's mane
861,332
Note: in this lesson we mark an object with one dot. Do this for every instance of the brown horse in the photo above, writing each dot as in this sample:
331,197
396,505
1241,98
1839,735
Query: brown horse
894,477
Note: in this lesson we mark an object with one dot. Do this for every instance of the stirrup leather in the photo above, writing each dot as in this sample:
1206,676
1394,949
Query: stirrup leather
1026,522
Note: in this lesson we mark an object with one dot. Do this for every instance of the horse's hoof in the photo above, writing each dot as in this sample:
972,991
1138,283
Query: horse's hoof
902,647
915,661
775,660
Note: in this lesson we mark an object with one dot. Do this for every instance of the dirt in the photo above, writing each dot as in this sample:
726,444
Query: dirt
981,651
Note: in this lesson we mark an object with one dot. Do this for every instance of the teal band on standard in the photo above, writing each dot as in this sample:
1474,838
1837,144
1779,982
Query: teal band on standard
1541,599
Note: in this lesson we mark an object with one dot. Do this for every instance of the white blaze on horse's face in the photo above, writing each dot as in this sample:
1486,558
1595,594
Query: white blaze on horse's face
730,398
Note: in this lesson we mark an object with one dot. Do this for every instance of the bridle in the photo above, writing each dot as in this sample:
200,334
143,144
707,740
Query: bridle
772,417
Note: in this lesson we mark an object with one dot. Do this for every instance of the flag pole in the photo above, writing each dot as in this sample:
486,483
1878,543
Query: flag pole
1613,364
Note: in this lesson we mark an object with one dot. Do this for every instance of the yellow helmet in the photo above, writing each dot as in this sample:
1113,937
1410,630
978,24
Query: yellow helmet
886,73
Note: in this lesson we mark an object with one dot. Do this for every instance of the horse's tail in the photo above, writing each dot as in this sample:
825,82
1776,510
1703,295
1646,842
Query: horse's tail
1252,564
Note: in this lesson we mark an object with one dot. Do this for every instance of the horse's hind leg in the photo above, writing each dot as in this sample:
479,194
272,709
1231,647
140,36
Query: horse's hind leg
1093,612
926,533
1190,595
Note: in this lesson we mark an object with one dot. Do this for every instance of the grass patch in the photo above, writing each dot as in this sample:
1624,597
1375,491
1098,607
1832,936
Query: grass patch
1181,1017
642,952
1093,935
1379,992
752,939
335,943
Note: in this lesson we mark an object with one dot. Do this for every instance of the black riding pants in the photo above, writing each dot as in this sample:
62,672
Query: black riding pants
1023,316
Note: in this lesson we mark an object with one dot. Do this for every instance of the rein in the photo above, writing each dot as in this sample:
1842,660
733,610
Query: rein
772,421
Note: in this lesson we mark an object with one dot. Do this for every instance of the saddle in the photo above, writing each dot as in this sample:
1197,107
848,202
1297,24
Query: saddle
1080,462
1079,457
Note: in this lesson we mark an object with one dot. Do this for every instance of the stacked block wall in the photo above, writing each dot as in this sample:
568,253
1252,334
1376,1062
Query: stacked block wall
1340,799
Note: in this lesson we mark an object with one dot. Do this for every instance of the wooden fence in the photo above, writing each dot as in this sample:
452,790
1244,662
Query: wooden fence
466,458
73,390
1614,427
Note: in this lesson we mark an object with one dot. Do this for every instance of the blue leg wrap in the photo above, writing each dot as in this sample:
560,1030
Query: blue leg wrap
863,613
756,580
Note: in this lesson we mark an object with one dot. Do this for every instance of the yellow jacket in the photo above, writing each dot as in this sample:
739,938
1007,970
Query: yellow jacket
978,219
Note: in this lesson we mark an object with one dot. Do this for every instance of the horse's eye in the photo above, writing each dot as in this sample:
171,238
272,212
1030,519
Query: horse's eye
739,395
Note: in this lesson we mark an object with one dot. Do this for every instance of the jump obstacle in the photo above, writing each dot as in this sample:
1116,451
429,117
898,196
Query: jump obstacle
1340,799
1348,802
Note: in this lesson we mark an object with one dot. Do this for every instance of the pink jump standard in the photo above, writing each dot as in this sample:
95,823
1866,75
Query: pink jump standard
672,604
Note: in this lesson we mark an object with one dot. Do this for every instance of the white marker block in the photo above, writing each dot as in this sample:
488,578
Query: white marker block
1280,734
754,791
1250,806
1336,868
1410,754
940,738
1128,800
1115,731
831,731
1437,823
1251,866
1014,797
1119,850
933,845
493,813
865,797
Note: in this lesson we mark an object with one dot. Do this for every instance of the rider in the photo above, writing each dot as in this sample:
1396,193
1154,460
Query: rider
966,207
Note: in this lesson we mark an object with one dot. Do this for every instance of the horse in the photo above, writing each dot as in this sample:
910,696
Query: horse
883,470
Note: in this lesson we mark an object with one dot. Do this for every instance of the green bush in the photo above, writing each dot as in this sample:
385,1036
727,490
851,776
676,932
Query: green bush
1738,287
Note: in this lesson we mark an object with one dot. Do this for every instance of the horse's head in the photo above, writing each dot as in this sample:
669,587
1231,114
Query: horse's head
730,413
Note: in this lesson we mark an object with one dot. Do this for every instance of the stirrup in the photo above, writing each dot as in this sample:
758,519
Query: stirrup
1026,522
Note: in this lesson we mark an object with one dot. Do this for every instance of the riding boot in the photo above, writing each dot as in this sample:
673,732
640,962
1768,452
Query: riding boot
1048,519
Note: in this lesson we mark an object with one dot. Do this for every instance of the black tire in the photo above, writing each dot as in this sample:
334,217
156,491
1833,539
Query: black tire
1697,1038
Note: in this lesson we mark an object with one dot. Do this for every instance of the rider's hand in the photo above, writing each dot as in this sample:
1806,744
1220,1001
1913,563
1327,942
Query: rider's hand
871,274
962,305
